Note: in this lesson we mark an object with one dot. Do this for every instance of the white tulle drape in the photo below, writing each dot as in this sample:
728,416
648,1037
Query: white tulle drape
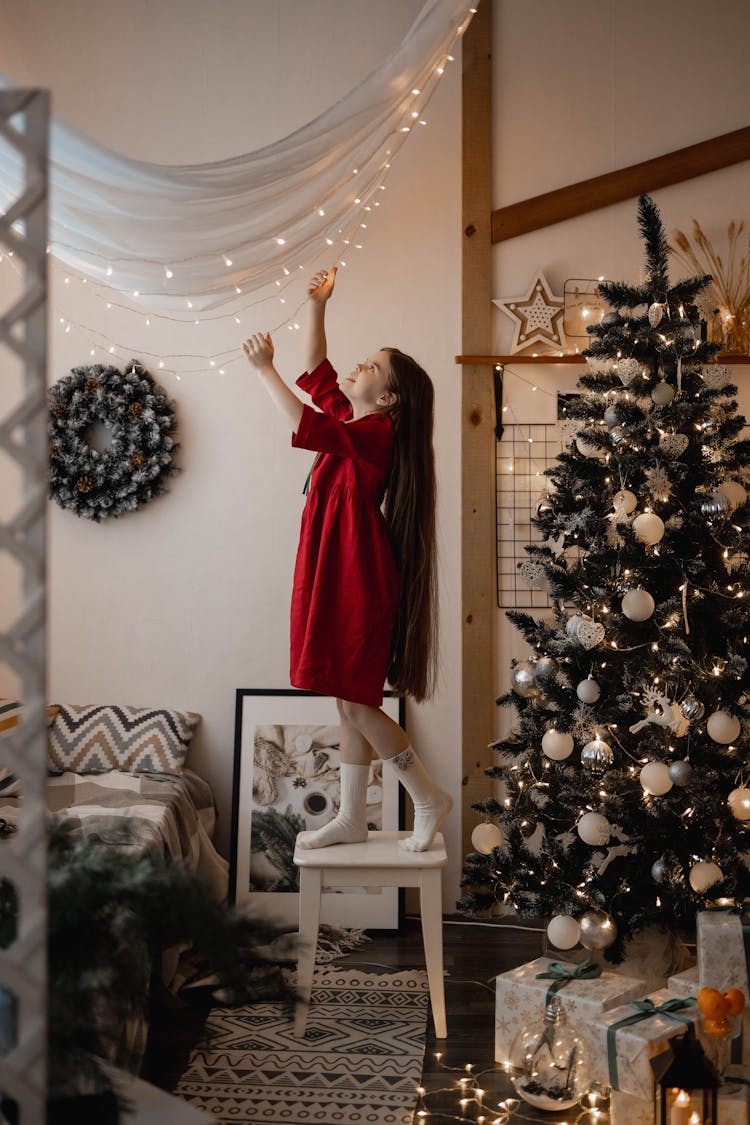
204,232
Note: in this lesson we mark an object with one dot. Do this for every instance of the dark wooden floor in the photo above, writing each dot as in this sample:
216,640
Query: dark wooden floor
474,954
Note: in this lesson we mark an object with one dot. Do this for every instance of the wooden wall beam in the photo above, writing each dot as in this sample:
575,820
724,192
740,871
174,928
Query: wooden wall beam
477,420
625,183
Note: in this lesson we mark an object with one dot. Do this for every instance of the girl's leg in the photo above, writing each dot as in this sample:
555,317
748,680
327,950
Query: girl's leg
349,826
390,742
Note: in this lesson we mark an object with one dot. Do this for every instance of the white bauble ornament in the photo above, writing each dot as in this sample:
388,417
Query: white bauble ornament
625,501
648,528
739,803
655,779
588,449
563,931
557,744
662,393
703,875
590,633
638,605
588,691
593,828
628,369
734,492
598,930
723,727
571,625
485,837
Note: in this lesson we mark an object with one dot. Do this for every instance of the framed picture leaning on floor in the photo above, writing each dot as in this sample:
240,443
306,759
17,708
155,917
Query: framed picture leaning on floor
286,780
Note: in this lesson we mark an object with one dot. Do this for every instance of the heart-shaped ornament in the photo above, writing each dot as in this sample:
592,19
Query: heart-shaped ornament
628,369
673,445
533,574
590,633
716,375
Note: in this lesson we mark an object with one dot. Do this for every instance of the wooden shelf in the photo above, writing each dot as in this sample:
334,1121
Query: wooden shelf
501,360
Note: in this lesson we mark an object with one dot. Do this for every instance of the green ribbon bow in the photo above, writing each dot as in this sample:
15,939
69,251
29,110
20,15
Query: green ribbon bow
645,1009
560,975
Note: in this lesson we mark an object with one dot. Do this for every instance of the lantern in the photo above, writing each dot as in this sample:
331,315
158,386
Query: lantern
687,1081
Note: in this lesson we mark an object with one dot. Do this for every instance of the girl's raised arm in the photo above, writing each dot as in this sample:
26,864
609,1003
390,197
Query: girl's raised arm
319,290
259,351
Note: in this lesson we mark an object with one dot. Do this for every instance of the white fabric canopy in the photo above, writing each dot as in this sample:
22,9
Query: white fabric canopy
218,228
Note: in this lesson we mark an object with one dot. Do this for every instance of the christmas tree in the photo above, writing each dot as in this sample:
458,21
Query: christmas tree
624,795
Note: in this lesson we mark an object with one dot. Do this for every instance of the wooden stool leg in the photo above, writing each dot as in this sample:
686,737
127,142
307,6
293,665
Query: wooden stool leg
310,886
431,910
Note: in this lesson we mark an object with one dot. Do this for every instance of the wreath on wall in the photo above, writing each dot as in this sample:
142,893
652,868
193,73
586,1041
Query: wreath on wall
135,465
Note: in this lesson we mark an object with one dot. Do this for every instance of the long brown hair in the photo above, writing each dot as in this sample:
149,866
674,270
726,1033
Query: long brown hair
409,511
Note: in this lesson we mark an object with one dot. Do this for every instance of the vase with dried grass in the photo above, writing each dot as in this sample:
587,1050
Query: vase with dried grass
725,303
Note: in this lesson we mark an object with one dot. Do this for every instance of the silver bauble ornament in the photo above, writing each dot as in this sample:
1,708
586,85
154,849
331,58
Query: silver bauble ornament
611,417
545,670
485,837
714,504
598,930
659,871
588,691
597,756
571,625
522,679
680,772
662,393
692,708
617,434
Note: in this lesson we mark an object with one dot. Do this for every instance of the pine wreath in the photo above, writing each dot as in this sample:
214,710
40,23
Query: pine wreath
133,469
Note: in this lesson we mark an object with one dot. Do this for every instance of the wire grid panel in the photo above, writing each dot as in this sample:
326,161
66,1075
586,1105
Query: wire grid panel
521,456
24,124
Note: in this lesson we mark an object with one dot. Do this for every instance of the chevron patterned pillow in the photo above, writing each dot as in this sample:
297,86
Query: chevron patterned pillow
97,738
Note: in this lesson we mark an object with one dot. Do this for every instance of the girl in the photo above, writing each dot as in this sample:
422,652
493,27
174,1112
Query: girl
363,600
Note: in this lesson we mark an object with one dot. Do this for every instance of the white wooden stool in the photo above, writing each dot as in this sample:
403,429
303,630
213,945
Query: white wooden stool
377,862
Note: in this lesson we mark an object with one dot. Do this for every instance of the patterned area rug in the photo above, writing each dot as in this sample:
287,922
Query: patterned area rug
360,1062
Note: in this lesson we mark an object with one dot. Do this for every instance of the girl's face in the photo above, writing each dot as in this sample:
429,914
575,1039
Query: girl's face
366,386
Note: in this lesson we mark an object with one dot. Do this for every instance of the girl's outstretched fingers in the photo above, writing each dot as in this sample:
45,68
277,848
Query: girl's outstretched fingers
321,285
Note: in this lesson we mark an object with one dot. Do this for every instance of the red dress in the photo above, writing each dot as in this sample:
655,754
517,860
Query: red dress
346,585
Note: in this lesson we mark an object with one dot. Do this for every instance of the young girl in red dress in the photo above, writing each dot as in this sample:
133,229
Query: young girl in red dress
364,597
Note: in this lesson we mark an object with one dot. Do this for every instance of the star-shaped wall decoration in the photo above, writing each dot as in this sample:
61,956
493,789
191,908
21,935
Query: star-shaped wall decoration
537,317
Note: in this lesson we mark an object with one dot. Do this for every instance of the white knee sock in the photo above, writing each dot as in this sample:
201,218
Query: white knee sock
350,824
431,804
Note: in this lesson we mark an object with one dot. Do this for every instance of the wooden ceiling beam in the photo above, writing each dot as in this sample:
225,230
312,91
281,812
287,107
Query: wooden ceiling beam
625,183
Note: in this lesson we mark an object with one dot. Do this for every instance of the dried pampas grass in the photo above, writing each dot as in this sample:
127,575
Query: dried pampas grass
725,304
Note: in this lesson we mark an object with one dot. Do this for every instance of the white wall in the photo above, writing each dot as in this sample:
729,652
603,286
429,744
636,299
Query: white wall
186,600
583,88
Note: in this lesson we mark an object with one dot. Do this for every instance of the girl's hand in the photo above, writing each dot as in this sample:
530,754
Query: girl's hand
259,350
321,286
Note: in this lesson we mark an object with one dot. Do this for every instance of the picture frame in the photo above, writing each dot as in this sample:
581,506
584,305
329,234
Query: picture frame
285,780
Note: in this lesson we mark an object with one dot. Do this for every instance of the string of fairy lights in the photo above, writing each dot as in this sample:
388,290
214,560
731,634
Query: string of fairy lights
339,242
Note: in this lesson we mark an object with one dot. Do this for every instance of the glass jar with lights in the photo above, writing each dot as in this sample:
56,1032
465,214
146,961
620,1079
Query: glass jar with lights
548,1061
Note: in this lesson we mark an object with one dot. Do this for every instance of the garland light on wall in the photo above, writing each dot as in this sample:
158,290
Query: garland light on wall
188,238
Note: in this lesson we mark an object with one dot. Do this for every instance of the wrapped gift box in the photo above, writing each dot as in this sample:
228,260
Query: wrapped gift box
721,951
520,998
637,1044
684,984
624,1109
734,1096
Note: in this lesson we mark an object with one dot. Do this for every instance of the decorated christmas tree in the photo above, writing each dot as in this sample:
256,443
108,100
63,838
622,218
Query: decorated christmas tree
623,789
